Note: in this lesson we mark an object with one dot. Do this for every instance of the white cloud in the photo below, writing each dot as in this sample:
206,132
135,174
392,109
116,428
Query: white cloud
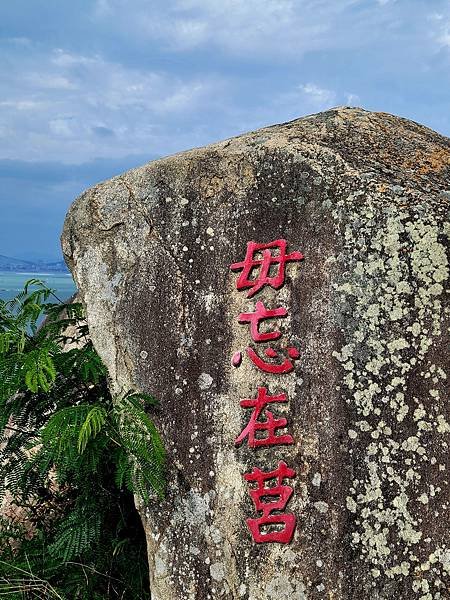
440,27
55,82
189,33
320,97
102,8
61,127
255,27
443,37
352,100
68,107
166,94
25,105
303,99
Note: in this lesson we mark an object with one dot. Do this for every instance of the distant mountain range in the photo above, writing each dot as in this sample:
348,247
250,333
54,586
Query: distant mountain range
17,265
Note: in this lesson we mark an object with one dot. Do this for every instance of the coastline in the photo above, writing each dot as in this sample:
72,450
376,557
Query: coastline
12,282
45,273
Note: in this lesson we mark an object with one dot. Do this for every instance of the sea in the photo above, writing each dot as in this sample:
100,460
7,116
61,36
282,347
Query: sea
12,283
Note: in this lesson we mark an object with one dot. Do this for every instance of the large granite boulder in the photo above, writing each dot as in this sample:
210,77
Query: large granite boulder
364,197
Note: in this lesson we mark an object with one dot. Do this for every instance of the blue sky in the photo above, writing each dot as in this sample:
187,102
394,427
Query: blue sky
91,88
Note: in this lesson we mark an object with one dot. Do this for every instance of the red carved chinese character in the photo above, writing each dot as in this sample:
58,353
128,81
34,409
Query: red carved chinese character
264,265
261,313
285,367
270,499
270,425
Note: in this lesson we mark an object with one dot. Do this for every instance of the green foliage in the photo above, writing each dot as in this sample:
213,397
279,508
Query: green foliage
72,457
93,423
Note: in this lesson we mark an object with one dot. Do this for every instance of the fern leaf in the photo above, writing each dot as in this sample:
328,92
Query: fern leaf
77,532
95,419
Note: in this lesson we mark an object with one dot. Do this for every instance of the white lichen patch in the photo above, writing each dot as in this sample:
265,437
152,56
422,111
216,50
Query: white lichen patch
317,479
283,586
393,287
217,571
205,381
321,506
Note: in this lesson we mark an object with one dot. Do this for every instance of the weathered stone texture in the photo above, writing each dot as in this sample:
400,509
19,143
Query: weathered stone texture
364,196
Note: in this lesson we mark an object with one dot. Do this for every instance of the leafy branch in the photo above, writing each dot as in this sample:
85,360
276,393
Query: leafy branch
68,444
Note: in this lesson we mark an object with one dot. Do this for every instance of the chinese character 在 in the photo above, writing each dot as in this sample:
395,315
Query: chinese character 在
261,314
262,266
270,425
285,367
270,499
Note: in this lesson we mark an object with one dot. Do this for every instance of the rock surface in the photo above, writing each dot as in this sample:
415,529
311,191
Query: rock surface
364,196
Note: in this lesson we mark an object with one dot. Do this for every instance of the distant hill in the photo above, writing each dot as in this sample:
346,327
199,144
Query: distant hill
7,263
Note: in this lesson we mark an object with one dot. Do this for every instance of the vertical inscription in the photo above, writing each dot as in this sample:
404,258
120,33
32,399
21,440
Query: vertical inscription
265,265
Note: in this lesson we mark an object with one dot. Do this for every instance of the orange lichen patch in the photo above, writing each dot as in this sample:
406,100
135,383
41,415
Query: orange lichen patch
434,162
437,161
382,187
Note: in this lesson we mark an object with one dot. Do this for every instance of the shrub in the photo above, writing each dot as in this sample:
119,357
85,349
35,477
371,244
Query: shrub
71,458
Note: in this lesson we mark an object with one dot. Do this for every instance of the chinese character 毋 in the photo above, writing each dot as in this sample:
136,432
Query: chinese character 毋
260,260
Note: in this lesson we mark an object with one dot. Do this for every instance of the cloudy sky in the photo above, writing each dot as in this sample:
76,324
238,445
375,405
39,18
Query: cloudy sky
91,88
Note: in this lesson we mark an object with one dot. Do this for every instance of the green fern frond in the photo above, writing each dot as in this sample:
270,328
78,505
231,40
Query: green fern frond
141,440
61,433
39,368
122,468
95,419
90,365
77,532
